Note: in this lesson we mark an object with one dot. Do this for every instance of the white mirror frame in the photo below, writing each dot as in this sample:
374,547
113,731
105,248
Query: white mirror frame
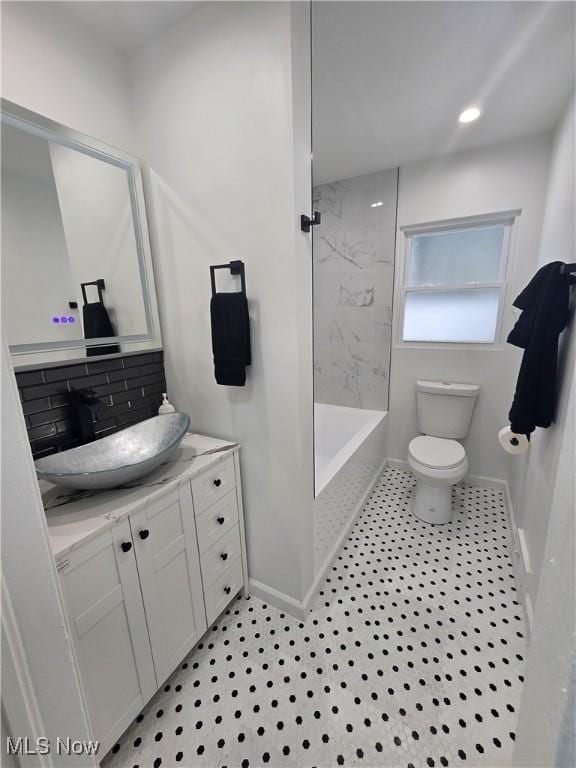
52,351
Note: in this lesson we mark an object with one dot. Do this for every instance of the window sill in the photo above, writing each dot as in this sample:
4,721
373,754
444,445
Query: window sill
476,346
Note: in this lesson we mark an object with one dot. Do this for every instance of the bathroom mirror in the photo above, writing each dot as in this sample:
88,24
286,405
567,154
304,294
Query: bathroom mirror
77,275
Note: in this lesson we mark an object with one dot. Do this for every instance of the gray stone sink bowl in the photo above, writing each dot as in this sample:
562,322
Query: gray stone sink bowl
119,458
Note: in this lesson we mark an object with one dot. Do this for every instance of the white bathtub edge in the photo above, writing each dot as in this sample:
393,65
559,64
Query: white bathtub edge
337,462
341,538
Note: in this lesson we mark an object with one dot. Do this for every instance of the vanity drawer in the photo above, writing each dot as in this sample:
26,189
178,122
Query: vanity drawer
214,522
213,485
220,593
219,557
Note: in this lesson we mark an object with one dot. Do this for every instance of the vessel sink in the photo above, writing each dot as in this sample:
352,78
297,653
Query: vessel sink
117,459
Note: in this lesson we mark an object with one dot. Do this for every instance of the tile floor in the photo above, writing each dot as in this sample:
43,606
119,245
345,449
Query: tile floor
412,656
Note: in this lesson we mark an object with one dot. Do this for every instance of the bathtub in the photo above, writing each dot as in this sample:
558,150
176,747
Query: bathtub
338,433
349,452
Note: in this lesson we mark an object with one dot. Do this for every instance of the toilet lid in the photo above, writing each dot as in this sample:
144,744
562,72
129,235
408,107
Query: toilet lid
436,452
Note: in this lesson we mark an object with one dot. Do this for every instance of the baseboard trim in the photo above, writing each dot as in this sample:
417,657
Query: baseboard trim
301,609
397,463
311,594
278,599
521,558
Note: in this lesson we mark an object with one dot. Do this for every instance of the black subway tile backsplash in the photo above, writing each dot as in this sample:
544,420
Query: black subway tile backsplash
35,433
43,390
66,372
105,366
27,378
51,416
129,388
36,406
150,357
87,382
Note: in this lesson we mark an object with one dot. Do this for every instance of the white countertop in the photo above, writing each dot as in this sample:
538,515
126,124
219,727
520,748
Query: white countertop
73,517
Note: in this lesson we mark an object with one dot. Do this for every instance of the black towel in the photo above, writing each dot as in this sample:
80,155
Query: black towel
230,338
545,311
97,325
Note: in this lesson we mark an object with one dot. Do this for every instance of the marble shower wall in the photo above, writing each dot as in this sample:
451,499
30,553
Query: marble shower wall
353,285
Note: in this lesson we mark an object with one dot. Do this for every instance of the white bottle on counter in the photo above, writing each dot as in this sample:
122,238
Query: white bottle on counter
166,406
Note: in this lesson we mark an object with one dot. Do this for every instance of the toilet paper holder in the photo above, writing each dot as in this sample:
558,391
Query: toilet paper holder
512,442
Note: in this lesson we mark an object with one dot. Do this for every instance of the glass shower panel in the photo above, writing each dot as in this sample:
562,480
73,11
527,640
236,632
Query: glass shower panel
353,257
353,280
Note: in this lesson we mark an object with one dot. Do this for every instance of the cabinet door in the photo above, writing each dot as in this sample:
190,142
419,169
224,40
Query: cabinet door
106,618
168,563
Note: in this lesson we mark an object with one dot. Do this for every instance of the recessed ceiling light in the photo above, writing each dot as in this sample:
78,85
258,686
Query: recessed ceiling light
376,205
469,115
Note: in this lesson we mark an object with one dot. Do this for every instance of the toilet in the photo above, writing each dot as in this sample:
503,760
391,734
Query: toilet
437,459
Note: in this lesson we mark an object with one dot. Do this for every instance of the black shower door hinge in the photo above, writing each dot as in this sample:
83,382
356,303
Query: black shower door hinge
306,222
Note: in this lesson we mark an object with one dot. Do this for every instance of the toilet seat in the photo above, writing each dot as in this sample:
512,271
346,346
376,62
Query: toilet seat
436,452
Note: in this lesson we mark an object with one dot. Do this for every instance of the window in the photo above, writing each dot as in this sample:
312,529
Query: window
455,279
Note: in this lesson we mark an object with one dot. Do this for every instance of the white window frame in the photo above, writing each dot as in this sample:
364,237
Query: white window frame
503,218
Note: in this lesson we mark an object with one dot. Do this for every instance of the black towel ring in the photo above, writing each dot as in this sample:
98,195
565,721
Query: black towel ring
100,284
236,268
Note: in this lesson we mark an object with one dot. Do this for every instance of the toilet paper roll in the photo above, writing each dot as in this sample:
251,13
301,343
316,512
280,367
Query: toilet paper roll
512,442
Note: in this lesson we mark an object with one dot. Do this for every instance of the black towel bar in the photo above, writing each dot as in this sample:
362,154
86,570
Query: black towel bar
236,268
100,284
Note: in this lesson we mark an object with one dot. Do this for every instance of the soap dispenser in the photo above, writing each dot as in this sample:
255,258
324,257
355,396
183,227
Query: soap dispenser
166,406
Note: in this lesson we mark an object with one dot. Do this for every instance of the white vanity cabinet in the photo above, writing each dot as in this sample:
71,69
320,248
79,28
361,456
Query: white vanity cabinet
169,568
144,571
108,627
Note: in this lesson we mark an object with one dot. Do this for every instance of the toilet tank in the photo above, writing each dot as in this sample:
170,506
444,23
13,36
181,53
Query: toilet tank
445,410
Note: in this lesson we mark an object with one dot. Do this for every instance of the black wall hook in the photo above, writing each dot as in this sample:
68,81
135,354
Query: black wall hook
306,222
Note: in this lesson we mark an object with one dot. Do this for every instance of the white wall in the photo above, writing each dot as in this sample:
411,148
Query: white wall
508,176
532,477
542,490
54,66
29,575
546,728
214,109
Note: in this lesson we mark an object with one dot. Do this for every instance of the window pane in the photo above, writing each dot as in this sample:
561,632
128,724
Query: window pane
457,257
451,315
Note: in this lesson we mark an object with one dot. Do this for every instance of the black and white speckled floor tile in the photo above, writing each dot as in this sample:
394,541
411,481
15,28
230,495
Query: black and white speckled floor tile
412,656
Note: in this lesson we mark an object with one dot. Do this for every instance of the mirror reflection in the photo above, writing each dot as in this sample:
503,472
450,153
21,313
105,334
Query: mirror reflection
71,268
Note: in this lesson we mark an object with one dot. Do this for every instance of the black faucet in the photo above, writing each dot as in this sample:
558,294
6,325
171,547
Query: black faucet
85,404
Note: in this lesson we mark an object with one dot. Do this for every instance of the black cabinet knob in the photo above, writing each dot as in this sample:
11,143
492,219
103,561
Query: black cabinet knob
224,555
217,482
220,520
144,533
227,590
126,546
